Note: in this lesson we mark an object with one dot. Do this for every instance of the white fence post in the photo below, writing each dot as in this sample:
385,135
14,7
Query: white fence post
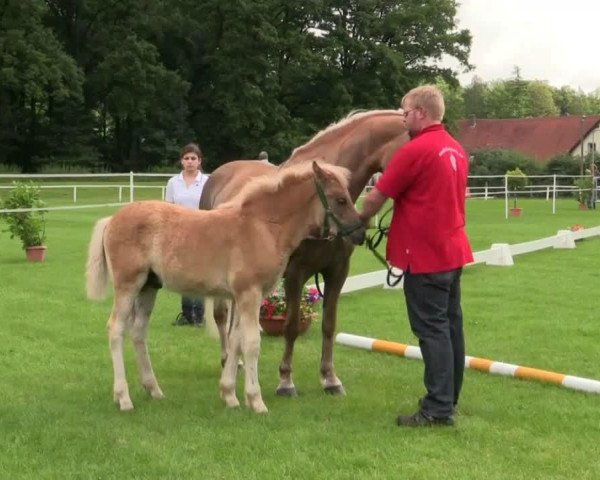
120,194
554,194
75,194
130,187
506,196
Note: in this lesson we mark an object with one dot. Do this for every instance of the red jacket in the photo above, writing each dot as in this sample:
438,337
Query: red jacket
427,179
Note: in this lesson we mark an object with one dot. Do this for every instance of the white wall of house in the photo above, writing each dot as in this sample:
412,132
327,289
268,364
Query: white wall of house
591,143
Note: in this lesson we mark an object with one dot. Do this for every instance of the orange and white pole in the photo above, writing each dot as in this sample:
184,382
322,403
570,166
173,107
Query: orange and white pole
481,364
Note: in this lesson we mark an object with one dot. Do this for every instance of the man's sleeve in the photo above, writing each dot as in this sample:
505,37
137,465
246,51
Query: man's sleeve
398,175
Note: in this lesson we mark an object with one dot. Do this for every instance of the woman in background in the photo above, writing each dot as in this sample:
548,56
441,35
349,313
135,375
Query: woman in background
185,189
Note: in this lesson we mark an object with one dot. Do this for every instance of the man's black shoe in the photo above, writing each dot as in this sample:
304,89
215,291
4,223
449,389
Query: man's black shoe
421,420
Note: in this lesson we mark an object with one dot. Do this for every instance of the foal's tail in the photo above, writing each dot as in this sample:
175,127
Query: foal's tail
97,268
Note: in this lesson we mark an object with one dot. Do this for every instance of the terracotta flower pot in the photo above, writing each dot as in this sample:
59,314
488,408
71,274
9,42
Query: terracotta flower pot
583,206
274,324
36,254
516,212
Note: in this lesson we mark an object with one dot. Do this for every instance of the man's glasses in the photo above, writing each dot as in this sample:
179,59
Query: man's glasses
406,112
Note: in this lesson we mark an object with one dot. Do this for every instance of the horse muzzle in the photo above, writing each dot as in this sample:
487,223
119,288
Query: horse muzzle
357,233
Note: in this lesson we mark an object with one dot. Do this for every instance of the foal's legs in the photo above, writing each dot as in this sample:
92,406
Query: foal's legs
249,305
144,304
245,334
229,372
117,324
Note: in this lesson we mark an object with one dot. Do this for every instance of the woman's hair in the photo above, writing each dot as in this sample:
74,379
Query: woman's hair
429,98
191,148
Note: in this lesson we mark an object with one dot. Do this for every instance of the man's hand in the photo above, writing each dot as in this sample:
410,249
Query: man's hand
371,205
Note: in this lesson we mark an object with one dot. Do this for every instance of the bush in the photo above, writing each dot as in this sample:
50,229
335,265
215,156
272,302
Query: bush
29,227
516,180
585,185
497,162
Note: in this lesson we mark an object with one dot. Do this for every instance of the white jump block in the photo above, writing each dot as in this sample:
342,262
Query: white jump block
564,239
500,255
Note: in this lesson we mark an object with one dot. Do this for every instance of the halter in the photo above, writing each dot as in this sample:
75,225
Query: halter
342,229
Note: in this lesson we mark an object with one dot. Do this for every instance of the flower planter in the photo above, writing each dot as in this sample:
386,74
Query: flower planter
516,212
36,254
583,206
275,324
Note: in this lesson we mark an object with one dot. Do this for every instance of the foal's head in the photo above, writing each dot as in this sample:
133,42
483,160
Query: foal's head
341,216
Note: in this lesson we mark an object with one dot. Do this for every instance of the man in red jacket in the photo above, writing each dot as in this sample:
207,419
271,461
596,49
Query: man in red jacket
427,179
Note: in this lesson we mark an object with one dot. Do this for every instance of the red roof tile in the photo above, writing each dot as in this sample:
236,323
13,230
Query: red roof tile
541,138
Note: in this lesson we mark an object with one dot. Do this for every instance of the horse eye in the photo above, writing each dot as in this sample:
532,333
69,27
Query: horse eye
341,201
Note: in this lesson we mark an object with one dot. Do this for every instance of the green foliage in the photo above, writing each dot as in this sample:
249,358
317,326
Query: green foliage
563,165
519,98
238,77
29,227
497,162
516,180
585,186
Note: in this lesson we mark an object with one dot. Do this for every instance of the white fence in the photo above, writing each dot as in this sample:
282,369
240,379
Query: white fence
546,186
128,188
498,254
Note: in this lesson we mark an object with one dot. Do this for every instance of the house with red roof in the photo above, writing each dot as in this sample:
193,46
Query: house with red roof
541,138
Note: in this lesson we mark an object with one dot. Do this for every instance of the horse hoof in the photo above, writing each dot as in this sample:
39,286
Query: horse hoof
125,405
257,405
286,392
334,390
157,394
232,402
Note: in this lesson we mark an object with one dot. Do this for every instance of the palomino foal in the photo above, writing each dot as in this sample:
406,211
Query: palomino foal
240,251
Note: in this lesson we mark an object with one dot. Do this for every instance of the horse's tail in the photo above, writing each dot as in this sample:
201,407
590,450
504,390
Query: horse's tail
97,268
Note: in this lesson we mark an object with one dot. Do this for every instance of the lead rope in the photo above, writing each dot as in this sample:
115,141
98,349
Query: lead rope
373,241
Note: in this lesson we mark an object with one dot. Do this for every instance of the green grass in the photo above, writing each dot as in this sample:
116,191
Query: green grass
57,419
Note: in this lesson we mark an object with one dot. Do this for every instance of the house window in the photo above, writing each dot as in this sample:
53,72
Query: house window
591,147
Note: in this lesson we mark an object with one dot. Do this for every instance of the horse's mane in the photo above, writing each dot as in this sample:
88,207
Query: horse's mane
282,179
351,118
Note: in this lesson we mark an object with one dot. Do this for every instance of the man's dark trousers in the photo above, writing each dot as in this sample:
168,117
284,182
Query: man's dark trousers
435,314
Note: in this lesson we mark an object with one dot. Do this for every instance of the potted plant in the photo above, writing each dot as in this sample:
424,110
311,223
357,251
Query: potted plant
28,226
515,180
273,310
584,187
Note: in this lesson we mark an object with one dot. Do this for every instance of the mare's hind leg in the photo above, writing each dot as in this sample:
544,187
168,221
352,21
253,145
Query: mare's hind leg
293,291
117,324
143,307
334,278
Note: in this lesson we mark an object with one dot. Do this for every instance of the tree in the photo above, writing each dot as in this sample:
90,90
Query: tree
36,75
476,99
540,100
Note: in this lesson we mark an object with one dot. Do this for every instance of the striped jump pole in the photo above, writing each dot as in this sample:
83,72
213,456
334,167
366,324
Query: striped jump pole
481,364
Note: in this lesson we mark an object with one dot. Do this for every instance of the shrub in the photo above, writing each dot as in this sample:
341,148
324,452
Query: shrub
29,227
516,181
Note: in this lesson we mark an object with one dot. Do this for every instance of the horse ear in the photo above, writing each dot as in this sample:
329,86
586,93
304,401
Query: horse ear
320,174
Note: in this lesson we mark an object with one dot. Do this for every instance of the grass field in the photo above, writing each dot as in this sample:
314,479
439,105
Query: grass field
57,419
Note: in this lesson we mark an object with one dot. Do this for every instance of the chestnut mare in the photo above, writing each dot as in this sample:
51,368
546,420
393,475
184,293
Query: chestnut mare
239,251
362,142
